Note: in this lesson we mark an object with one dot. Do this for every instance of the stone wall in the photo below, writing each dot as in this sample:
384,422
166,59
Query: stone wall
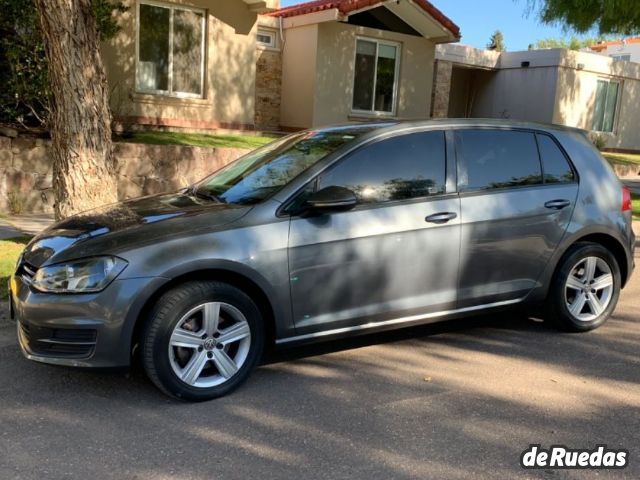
268,89
26,173
442,71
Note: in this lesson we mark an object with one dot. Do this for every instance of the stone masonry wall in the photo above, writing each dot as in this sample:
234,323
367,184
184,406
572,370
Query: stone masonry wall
441,88
26,171
268,84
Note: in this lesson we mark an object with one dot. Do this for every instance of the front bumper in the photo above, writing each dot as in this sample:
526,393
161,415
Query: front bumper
79,330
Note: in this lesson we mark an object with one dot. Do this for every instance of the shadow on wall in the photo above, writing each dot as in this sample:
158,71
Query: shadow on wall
334,77
573,107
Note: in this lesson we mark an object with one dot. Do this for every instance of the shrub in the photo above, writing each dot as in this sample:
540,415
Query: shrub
15,203
599,140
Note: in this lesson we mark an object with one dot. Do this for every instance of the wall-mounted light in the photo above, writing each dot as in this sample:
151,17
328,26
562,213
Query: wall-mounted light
580,66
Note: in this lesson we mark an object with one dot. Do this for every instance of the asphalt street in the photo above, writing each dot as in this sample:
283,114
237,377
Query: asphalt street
461,399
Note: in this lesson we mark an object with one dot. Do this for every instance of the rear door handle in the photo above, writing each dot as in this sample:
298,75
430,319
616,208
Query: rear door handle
557,204
442,217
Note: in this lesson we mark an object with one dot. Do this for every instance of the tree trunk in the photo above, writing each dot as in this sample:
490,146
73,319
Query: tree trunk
83,164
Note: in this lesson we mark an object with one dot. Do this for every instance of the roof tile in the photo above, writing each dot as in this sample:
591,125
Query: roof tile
347,6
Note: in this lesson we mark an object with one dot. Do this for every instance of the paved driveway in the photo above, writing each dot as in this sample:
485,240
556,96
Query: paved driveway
456,400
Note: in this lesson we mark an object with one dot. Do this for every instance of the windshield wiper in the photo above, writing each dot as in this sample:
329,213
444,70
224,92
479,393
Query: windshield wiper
206,195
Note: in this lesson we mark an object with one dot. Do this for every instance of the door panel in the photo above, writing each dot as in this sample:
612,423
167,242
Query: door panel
507,240
348,267
384,259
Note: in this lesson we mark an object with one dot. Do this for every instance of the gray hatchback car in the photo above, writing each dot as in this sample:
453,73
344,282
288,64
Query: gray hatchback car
326,233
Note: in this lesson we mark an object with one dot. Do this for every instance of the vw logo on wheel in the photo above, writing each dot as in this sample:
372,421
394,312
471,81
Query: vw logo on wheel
209,344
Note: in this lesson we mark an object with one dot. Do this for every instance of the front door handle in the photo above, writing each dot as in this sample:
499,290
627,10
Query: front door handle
557,204
442,217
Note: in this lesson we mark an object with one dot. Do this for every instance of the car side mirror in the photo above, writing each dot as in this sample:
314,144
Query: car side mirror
331,199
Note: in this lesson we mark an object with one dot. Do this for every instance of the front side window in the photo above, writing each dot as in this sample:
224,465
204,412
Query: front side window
170,46
375,76
604,110
490,159
263,172
399,168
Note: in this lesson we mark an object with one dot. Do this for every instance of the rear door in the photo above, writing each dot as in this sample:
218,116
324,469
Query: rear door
390,256
517,192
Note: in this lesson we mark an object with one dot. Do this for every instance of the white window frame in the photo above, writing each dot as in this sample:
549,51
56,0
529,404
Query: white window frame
396,78
614,125
269,33
172,7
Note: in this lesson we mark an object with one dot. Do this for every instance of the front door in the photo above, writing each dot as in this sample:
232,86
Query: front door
395,256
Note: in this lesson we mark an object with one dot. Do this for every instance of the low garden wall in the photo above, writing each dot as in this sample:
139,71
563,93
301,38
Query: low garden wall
25,170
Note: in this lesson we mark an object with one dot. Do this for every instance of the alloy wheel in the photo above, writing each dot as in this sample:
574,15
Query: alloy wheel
589,288
209,344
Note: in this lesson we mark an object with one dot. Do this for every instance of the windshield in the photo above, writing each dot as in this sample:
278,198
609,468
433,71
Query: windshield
259,174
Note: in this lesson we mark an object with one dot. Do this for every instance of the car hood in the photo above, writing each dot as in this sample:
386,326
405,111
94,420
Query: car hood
114,228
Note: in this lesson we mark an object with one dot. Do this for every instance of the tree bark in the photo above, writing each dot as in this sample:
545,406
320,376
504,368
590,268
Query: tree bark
83,164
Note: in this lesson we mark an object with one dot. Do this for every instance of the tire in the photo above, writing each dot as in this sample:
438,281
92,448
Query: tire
585,288
202,340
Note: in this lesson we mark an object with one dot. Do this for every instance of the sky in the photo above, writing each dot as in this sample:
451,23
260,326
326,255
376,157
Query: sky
478,19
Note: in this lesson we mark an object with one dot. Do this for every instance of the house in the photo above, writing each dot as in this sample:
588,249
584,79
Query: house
247,64
626,49
578,89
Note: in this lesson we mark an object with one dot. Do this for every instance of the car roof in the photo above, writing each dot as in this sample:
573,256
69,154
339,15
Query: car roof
391,125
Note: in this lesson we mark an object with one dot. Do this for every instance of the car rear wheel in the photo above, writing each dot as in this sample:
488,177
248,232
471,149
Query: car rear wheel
202,340
585,288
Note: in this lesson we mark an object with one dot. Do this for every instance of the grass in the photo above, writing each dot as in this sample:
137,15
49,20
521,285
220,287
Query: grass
199,140
9,251
625,158
635,206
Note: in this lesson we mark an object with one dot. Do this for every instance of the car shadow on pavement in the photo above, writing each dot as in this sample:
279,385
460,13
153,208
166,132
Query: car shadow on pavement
456,399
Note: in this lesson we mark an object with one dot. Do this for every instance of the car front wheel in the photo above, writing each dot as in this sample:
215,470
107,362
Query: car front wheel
202,340
585,288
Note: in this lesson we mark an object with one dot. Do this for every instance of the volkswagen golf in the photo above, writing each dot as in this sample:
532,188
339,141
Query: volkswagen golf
328,233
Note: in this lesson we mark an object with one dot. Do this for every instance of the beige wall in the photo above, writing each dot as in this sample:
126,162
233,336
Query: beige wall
335,66
517,93
229,72
459,94
575,103
299,76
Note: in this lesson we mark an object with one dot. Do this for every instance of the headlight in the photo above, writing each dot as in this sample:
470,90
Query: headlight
80,276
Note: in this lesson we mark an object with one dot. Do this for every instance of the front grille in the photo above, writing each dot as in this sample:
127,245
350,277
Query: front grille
59,342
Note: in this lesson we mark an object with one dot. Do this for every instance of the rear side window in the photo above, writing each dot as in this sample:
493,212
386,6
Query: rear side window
490,159
399,168
554,162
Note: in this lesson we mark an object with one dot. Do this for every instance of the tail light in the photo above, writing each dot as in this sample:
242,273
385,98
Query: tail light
626,199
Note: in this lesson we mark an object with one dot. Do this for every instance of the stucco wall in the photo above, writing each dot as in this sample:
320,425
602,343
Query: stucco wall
229,84
575,105
335,66
26,171
517,93
298,76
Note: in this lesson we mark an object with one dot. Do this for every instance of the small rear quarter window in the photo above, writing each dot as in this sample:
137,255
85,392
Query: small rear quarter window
554,162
